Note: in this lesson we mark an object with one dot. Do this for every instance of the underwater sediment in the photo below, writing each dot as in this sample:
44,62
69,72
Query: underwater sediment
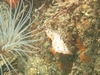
50,37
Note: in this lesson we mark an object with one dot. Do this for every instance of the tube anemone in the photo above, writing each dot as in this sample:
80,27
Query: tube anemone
14,38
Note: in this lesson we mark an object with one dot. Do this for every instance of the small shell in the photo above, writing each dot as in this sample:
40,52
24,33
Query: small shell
57,43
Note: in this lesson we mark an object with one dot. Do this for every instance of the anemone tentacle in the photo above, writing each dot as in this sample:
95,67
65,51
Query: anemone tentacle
14,38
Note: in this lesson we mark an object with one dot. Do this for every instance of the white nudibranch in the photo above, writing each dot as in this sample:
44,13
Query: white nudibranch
58,45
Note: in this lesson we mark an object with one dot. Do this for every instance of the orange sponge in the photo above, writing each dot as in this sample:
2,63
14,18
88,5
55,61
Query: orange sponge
84,58
80,45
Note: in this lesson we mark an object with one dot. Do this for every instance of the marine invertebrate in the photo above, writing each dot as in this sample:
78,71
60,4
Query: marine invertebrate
14,38
12,3
80,45
84,58
58,45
